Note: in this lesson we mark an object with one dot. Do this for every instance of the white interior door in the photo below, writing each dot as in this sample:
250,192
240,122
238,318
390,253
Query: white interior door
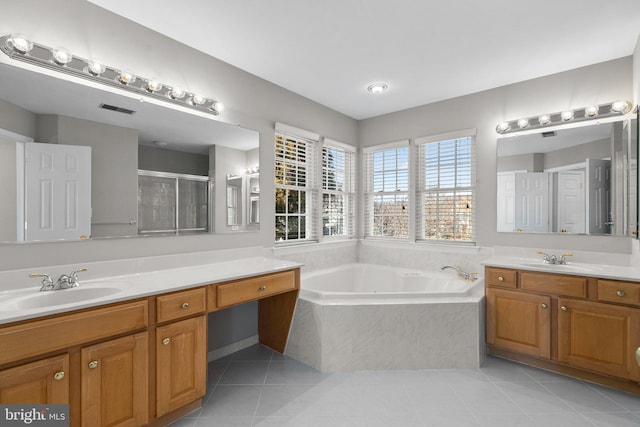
532,201
506,202
599,213
57,192
571,202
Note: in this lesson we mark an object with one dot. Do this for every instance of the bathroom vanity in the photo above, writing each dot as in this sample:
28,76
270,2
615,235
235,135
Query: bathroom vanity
143,359
584,325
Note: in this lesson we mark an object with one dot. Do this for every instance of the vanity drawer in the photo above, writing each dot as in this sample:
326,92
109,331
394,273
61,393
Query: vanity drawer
181,304
42,336
502,277
570,286
619,292
255,288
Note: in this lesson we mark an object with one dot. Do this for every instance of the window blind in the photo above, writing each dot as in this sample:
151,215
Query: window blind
338,188
446,185
294,178
387,203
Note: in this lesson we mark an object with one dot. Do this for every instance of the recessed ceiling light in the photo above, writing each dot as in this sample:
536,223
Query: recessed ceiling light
378,87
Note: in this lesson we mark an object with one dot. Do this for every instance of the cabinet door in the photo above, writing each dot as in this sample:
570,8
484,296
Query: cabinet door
41,382
519,322
599,337
181,365
115,379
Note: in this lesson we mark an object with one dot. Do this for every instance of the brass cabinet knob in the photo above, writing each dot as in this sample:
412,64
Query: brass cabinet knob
262,288
638,356
185,305
58,375
500,279
93,364
543,305
620,293
563,308
166,341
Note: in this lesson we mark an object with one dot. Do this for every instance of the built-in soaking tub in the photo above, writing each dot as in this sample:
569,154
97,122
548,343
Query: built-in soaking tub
365,317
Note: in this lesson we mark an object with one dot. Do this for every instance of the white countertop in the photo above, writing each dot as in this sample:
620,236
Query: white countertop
131,286
604,271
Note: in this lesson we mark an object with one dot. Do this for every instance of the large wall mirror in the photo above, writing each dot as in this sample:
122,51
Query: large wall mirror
154,169
572,180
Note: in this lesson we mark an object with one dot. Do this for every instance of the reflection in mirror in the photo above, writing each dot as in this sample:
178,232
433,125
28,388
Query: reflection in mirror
126,134
578,180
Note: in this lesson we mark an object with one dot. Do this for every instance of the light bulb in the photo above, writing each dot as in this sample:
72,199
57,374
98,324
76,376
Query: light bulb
544,119
523,123
126,77
198,99
153,85
61,56
377,87
19,43
95,67
591,111
503,127
176,92
566,116
217,107
621,106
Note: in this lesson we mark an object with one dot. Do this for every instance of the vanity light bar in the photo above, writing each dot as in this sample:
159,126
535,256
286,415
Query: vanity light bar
591,112
59,59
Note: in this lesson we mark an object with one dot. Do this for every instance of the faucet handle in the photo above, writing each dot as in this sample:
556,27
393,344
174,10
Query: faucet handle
73,277
47,282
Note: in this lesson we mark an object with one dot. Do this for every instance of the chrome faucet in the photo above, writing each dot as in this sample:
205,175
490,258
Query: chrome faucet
462,274
63,282
553,259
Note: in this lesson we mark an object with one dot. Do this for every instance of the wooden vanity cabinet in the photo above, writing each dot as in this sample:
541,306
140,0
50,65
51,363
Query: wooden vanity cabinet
115,382
41,382
181,350
586,327
519,322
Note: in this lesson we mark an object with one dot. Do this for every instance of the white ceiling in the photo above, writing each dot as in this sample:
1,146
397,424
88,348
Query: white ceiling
426,50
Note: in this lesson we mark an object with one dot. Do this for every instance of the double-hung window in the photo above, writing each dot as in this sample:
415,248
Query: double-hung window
387,190
446,184
295,156
338,187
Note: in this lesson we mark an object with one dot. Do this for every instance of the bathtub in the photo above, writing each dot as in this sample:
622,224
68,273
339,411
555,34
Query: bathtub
369,317
376,284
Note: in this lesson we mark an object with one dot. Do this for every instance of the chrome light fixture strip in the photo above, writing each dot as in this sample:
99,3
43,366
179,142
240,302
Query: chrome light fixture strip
42,56
593,112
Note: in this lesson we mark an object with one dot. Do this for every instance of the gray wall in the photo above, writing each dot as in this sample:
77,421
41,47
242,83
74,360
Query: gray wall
636,73
8,187
17,120
161,159
595,84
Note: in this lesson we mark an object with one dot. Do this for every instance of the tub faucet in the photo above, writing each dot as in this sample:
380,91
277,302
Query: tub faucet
462,274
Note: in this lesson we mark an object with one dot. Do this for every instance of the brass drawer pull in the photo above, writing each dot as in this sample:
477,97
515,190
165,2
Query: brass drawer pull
500,279
58,375
262,288
563,308
620,293
93,364
543,305
185,305
638,356
166,341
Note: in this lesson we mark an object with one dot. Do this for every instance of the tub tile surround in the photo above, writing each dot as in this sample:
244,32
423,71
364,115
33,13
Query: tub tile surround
141,276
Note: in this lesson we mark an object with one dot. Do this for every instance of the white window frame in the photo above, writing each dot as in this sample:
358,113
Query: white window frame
438,190
307,186
371,194
346,191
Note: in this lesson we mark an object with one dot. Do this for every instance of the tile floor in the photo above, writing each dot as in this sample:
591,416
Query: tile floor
258,387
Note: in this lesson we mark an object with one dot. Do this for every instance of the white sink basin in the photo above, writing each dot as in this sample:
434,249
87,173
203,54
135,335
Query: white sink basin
60,297
559,267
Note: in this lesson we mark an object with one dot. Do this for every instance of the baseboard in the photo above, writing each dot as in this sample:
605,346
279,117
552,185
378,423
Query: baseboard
232,348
